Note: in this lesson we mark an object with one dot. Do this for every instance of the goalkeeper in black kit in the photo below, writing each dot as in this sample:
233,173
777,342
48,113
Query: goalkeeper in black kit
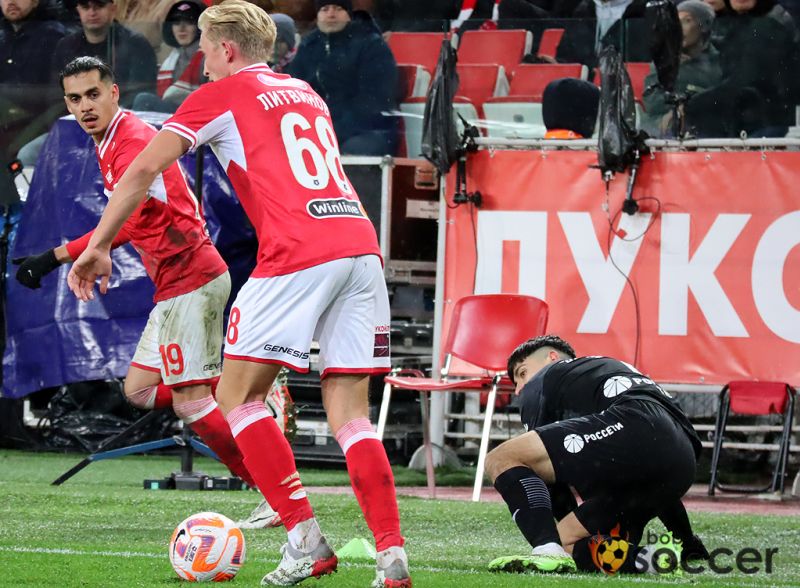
599,426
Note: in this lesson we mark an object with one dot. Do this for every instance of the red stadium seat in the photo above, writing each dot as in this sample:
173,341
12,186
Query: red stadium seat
419,48
530,79
504,48
548,44
755,399
484,330
478,83
638,71
519,115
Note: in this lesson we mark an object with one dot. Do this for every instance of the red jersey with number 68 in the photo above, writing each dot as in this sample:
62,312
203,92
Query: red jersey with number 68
274,137
168,229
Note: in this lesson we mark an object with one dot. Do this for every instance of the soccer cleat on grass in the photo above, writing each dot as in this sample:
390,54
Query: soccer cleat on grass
391,569
296,565
548,559
262,517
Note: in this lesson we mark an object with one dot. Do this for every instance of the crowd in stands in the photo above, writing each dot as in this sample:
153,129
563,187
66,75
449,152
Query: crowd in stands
739,60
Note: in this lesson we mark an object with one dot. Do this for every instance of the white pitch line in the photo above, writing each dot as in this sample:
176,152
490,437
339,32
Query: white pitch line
431,569
58,551
77,552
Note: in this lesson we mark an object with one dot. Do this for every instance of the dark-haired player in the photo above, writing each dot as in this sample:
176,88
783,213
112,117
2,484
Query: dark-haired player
177,359
597,425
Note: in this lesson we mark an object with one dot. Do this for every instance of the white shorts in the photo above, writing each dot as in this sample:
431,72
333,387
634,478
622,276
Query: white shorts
342,304
183,336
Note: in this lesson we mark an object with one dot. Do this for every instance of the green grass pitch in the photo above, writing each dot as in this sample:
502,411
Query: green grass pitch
101,529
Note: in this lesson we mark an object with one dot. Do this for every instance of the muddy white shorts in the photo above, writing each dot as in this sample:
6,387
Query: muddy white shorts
183,336
341,304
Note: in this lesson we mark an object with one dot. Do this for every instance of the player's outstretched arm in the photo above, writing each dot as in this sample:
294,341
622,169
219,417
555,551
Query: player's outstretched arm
95,262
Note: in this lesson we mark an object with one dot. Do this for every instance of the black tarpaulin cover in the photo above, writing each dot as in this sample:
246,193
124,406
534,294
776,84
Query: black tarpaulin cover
439,134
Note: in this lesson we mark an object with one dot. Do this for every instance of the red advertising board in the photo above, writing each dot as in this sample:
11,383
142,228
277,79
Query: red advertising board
712,256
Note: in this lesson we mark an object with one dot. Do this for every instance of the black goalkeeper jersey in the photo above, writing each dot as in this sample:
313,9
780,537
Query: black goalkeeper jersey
589,385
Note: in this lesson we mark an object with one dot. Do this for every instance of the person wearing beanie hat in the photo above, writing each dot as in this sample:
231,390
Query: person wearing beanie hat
333,17
700,69
348,63
569,108
703,16
343,4
285,43
182,71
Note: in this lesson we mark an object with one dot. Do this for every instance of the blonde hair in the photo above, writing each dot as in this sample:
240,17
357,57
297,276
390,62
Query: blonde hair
243,23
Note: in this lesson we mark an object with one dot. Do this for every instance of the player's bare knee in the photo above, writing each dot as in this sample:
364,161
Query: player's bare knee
142,398
500,459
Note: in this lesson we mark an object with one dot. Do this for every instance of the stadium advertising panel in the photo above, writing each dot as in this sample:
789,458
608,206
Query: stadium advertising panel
701,286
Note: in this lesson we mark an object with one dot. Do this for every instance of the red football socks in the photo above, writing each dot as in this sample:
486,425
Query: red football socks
372,481
268,457
205,418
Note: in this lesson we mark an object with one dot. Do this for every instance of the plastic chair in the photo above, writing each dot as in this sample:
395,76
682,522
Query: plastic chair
519,115
530,79
418,48
484,330
638,71
505,48
548,44
756,399
478,83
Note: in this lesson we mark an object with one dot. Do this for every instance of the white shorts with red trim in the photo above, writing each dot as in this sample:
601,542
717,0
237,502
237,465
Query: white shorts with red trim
183,336
342,304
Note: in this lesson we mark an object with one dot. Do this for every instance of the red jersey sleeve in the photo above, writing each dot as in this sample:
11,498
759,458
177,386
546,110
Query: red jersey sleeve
201,118
78,246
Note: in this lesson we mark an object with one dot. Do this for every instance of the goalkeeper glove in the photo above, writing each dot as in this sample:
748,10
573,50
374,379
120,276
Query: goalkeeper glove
34,267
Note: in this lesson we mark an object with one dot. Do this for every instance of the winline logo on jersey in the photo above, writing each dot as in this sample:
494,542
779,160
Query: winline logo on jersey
335,207
661,554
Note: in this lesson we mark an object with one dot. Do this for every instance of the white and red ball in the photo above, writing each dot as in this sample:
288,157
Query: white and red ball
207,547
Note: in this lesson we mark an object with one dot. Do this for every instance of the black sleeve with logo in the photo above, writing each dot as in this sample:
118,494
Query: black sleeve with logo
589,385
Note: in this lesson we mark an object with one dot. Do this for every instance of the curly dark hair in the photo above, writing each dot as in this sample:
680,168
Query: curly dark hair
522,352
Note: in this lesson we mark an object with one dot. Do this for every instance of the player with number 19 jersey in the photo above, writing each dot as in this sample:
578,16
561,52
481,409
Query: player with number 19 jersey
287,173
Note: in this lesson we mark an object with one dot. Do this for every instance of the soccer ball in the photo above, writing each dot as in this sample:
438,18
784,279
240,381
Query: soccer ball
207,547
611,554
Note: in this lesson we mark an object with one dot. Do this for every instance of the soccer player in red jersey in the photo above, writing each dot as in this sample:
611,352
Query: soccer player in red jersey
177,359
318,276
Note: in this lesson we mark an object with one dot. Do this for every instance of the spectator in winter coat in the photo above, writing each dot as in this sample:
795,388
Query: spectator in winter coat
347,62
699,68
285,43
28,37
128,53
181,72
759,90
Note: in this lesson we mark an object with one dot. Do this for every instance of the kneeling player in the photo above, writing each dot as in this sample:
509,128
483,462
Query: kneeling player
177,361
595,424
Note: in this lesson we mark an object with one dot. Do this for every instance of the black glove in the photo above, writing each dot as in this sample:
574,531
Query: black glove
34,267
